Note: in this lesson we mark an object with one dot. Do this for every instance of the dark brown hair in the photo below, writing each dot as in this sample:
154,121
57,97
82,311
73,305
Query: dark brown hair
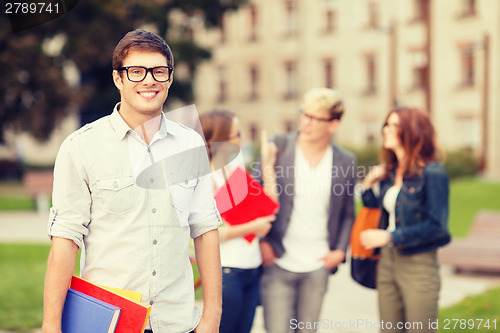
418,138
216,126
141,40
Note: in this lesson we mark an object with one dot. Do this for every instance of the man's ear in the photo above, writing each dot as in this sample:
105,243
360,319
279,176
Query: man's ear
171,80
117,79
333,125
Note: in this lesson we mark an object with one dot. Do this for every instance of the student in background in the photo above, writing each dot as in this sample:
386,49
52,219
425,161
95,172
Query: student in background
311,233
413,197
241,261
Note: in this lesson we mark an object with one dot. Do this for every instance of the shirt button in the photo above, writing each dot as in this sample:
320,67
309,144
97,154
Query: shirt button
115,184
154,273
153,210
151,180
186,181
151,302
155,242
149,150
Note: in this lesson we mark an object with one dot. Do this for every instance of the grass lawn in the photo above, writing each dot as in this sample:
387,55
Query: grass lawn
13,203
22,274
467,197
473,314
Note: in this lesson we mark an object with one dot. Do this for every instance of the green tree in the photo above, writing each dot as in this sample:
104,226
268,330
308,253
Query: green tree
34,92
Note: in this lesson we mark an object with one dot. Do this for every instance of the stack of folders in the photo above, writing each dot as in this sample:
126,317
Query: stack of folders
93,308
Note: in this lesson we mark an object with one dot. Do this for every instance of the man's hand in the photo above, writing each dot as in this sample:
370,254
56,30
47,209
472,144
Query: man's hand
208,325
268,151
268,255
51,328
333,259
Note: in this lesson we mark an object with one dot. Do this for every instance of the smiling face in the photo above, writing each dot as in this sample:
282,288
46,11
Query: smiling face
143,99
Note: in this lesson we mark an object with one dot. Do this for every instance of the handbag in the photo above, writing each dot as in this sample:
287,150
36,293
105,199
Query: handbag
364,261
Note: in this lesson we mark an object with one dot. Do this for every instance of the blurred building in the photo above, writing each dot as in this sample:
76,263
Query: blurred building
439,55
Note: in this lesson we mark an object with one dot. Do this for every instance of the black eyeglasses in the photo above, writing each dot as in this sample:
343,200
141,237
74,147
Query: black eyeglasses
138,73
311,117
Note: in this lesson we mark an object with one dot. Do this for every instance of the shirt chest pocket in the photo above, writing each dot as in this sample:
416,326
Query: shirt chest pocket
181,197
117,194
413,192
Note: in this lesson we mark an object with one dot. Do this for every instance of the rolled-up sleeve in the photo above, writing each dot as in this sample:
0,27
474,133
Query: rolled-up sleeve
204,215
71,200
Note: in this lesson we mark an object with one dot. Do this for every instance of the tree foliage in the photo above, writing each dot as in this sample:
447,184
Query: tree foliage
33,89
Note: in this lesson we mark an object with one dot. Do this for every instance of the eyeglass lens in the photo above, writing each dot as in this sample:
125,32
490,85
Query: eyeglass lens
137,74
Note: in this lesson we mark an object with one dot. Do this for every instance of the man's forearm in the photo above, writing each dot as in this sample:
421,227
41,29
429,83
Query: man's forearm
60,267
208,260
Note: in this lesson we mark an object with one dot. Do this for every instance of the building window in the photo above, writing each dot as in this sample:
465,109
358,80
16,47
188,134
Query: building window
254,132
290,80
467,64
254,82
291,18
419,10
371,74
328,71
418,70
468,8
373,14
289,126
222,85
330,21
419,77
372,129
469,124
253,23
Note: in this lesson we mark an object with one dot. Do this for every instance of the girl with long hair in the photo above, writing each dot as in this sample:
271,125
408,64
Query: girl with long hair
413,196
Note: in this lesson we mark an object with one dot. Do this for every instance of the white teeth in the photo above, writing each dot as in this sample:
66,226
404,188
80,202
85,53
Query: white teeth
148,94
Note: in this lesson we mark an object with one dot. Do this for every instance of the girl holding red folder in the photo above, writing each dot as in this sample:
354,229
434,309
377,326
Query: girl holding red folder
241,260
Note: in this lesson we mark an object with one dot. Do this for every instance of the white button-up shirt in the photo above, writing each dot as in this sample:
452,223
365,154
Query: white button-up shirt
306,239
131,208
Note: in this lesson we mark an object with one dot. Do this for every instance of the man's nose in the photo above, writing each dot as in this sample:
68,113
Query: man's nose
149,78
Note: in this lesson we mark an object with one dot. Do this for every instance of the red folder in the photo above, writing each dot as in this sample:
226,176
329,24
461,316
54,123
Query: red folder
134,315
242,199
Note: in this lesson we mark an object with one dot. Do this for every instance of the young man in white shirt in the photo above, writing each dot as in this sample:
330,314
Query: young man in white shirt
309,238
117,197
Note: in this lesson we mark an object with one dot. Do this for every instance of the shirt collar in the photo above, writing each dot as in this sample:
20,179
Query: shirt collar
121,127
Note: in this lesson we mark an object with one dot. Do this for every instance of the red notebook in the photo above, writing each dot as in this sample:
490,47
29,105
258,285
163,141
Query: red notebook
134,315
242,199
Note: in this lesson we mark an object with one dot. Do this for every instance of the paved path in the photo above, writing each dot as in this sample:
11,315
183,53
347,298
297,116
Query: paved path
346,303
24,227
354,308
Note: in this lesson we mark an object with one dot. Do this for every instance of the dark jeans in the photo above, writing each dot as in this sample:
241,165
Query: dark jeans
240,297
